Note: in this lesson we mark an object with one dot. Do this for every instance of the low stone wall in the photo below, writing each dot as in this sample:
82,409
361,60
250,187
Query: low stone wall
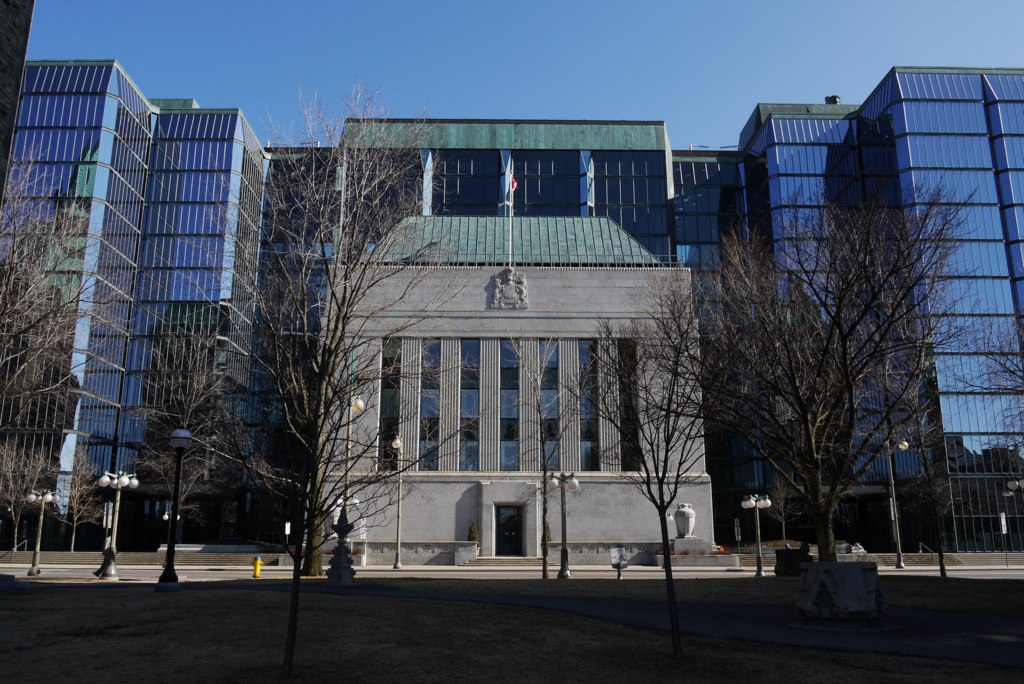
599,553
714,560
419,553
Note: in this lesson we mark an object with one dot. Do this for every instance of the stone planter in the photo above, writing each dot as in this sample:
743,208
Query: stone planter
840,591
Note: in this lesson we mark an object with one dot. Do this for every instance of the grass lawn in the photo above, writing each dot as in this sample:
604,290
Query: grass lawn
125,632
989,597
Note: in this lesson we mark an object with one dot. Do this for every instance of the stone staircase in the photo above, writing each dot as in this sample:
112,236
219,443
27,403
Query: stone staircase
518,562
888,560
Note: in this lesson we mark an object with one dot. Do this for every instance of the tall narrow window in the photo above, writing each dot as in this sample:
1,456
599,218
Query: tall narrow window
629,433
390,398
590,456
509,407
469,407
430,404
549,426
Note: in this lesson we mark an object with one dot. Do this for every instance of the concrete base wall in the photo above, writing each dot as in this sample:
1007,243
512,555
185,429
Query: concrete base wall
439,508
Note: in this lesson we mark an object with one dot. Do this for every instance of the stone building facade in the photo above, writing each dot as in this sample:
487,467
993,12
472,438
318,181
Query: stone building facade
487,386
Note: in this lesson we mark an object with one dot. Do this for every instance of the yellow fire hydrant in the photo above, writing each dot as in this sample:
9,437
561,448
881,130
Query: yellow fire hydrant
257,565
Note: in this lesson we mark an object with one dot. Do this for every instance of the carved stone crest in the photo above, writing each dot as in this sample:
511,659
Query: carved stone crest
510,290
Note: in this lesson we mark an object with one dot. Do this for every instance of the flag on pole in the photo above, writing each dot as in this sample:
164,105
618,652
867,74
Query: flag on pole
512,185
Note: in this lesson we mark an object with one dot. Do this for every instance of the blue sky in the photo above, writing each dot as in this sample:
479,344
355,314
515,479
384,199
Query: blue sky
699,66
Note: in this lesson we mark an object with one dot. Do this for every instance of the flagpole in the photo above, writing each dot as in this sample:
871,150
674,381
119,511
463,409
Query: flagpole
511,211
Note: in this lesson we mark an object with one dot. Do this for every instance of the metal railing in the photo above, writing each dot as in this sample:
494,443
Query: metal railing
922,546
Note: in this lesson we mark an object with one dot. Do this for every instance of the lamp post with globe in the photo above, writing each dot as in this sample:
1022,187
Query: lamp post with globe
757,502
118,482
563,481
181,440
396,444
43,498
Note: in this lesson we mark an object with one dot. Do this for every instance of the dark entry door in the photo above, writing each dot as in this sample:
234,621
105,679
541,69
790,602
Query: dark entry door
510,531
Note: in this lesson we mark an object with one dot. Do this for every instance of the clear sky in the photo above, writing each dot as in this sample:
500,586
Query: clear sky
699,66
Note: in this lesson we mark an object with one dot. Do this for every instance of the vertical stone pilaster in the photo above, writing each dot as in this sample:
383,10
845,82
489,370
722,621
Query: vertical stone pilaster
529,398
569,404
448,437
410,394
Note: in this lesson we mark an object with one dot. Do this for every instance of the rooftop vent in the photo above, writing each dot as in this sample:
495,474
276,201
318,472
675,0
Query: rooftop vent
831,99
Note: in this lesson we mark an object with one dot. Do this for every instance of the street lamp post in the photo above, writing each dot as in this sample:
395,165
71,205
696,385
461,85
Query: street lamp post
1012,487
562,481
108,570
43,498
757,502
894,513
396,444
181,439
356,405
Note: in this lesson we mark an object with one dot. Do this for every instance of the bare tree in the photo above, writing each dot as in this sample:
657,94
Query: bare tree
81,501
42,242
22,470
651,371
786,505
337,242
828,331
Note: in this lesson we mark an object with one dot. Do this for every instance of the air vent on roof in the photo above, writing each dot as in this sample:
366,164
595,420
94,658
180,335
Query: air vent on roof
831,99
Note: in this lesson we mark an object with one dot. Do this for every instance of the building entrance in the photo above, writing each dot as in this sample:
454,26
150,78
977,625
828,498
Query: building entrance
509,528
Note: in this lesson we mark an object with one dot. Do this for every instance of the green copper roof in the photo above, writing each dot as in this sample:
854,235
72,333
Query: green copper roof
536,241
511,135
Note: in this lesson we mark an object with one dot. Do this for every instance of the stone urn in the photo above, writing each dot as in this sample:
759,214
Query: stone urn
686,519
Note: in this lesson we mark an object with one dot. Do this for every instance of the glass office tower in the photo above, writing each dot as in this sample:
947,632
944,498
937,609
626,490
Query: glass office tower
84,130
170,196
957,132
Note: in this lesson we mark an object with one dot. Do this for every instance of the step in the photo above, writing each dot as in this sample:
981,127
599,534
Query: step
505,561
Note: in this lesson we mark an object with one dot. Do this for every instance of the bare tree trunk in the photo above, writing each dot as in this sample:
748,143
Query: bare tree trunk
937,517
544,530
74,531
670,586
826,536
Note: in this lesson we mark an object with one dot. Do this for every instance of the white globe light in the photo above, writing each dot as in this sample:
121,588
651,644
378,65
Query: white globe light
1013,484
552,483
358,404
104,481
133,483
167,516
181,439
31,498
573,484
47,497
747,503
122,481
902,445
396,444
764,502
